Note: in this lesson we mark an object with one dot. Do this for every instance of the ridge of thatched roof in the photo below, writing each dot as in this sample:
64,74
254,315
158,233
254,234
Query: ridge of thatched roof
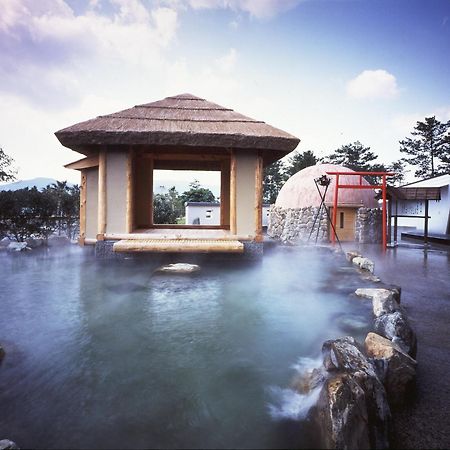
181,120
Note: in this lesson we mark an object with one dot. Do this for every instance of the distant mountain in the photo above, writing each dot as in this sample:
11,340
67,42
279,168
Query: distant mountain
39,182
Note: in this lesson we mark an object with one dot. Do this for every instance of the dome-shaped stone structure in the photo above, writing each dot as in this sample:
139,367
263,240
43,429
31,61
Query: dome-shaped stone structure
300,190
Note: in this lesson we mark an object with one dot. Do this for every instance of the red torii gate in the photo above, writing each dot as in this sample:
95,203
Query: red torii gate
338,186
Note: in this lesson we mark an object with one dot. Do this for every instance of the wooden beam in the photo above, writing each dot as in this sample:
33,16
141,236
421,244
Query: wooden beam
187,165
258,198
150,206
83,186
233,198
389,230
101,225
188,227
186,156
225,194
425,230
85,163
130,192
396,222
143,188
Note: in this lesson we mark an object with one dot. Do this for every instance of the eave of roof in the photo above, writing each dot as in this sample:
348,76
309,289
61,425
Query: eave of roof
415,193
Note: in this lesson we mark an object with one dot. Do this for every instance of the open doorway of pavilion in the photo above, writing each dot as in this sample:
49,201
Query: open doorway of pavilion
186,198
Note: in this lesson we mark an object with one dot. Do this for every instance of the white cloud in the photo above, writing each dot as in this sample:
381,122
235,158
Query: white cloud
46,48
166,24
373,84
216,81
227,62
261,9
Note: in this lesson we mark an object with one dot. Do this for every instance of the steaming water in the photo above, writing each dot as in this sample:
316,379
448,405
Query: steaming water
103,355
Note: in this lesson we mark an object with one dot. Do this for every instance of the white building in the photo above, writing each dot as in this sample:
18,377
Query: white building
202,213
208,213
438,210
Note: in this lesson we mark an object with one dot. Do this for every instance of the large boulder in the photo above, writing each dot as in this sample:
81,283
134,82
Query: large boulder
6,444
17,246
364,263
343,354
399,369
395,326
382,300
396,291
352,411
351,255
2,353
4,242
342,414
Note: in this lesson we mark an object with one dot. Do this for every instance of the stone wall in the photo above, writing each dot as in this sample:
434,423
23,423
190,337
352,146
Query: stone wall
294,225
291,225
368,225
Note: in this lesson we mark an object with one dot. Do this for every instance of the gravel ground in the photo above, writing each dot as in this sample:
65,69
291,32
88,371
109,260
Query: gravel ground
424,276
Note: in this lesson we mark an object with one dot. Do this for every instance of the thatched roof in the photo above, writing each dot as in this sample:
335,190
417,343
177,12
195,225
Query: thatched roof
183,120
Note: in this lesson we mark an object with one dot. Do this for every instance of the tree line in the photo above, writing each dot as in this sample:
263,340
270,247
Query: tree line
427,152
30,213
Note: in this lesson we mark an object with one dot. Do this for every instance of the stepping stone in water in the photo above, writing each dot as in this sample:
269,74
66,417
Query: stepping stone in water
179,268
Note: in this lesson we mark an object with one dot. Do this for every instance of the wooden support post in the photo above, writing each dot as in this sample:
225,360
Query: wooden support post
233,199
101,225
335,207
82,238
150,204
396,222
142,190
425,231
225,194
258,198
390,221
384,218
130,192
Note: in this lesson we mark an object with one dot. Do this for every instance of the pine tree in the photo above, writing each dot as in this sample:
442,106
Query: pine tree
429,150
7,172
354,156
299,161
274,178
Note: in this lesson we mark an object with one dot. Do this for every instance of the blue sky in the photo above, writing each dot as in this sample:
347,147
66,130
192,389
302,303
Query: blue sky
329,72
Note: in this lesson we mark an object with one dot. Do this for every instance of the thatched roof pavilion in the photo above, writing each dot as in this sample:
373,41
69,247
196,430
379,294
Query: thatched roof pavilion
183,132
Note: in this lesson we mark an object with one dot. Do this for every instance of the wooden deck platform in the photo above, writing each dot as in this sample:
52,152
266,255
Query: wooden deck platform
437,238
179,246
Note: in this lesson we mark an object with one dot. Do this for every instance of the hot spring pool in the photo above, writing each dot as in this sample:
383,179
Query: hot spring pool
108,355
